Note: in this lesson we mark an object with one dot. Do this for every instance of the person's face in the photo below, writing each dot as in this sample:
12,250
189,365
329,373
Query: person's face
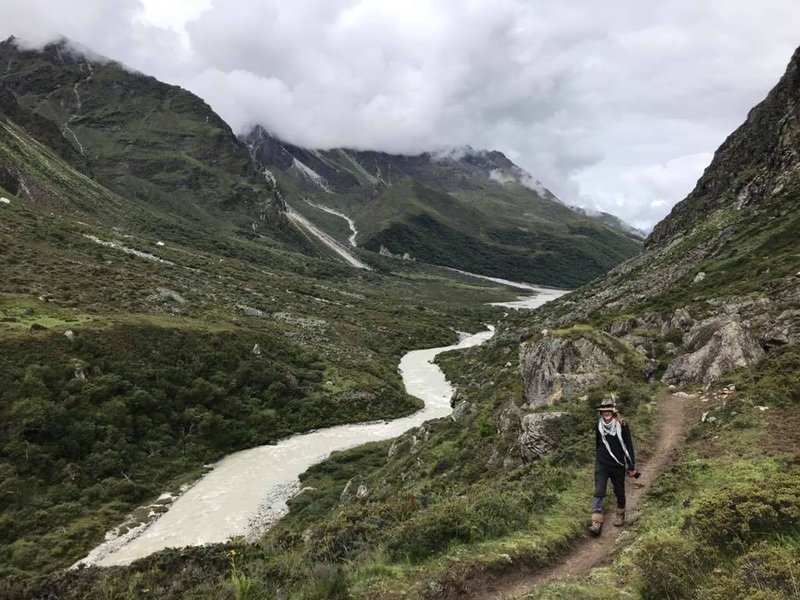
607,415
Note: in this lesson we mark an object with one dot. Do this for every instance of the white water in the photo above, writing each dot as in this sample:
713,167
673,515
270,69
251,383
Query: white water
331,243
247,491
350,222
541,294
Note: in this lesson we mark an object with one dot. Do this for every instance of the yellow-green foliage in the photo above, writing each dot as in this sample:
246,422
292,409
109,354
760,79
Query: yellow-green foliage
740,514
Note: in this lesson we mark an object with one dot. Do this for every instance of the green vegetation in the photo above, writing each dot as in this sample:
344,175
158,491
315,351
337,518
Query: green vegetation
434,499
723,522
226,342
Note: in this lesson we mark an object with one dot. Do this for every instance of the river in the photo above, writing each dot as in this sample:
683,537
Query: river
246,491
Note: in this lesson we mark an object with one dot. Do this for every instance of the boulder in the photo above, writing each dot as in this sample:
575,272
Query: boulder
461,408
509,417
620,328
680,319
720,344
781,330
557,367
540,433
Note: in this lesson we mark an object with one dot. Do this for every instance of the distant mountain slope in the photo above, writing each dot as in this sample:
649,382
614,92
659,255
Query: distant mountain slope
156,144
473,210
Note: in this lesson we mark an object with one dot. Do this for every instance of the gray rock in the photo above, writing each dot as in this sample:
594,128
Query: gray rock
250,311
509,417
680,319
539,434
168,295
393,448
493,459
556,367
782,330
721,344
620,328
699,277
460,410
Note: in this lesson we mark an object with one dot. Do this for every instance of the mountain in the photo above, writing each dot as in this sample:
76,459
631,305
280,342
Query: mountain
611,221
473,210
158,145
706,318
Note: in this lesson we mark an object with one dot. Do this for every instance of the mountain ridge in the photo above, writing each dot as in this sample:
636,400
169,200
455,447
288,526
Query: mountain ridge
499,220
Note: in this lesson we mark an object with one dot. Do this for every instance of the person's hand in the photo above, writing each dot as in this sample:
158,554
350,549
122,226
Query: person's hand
633,473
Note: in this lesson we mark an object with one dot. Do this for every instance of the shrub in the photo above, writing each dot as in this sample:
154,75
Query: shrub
671,566
766,572
481,515
738,514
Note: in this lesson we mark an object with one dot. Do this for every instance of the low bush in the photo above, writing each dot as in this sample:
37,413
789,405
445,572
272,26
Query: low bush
671,566
766,572
459,519
741,514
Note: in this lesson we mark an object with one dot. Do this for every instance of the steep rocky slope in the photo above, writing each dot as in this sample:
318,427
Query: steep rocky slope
158,145
757,162
474,210
719,283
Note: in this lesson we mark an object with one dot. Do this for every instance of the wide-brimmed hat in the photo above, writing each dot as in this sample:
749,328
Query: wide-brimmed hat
608,404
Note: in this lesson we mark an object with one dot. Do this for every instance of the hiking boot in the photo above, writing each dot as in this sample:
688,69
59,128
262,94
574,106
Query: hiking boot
597,524
619,517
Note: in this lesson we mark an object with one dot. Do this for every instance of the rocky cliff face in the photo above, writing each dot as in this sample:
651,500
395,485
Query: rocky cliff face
718,286
757,161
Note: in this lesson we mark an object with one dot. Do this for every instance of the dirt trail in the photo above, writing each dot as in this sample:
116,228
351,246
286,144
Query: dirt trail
593,552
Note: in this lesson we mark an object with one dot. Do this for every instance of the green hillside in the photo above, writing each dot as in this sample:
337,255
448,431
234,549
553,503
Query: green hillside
141,341
476,211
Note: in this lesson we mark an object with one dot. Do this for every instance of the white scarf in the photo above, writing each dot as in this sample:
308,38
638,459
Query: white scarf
614,428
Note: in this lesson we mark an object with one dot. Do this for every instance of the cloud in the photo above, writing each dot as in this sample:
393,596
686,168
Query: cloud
616,106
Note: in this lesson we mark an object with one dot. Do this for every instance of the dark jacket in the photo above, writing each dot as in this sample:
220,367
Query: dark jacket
605,458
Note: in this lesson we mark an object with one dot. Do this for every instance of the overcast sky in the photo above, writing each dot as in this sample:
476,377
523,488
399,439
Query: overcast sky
615,105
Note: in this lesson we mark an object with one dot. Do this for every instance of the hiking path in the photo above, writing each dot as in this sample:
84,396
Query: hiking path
594,552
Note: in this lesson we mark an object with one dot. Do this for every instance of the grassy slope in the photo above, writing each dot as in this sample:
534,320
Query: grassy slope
495,231
433,514
159,146
723,521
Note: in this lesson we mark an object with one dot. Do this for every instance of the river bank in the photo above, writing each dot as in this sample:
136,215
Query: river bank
247,491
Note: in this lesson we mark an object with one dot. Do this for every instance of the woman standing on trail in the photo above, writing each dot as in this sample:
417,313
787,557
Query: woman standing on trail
613,457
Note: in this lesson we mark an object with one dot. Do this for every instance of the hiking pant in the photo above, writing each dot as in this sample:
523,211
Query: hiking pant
602,473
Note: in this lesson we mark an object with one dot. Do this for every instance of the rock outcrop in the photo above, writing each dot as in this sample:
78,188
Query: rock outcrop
718,344
540,433
557,367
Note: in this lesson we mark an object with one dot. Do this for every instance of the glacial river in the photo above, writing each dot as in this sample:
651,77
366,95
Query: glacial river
247,491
